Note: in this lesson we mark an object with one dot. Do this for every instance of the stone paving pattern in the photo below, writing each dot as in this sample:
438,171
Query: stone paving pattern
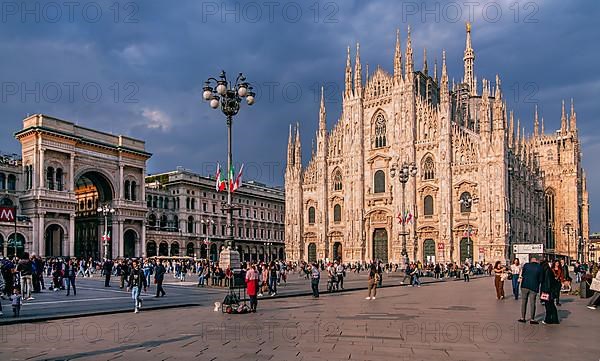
445,321
93,299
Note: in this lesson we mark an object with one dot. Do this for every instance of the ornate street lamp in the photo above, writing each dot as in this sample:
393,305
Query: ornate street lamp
228,96
105,210
568,229
467,202
270,257
405,171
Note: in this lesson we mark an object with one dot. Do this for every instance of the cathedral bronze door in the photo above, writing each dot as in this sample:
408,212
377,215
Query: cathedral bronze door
312,252
337,251
429,251
466,250
380,245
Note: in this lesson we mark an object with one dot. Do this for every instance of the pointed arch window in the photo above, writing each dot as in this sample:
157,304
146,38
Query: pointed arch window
428,169
380,131
337,180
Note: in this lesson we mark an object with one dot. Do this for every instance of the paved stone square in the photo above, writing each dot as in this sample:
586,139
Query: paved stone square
94,299
442,321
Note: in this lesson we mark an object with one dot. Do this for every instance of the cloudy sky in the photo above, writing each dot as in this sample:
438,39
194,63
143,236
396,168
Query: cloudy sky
137,67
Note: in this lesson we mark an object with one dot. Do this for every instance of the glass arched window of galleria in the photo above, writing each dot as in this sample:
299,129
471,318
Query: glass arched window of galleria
428,169
380,133
337,180
311,215
379,182
337,213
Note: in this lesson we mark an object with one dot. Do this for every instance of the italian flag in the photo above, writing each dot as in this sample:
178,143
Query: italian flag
238,180
230,177
220,182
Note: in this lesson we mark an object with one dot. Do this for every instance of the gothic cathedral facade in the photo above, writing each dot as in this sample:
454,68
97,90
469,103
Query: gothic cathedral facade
479,185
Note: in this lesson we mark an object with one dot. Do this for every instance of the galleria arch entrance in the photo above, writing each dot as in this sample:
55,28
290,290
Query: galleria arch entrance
92,190
69,171
54,239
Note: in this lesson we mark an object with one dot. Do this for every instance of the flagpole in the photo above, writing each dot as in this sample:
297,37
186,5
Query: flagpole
15,237
229,242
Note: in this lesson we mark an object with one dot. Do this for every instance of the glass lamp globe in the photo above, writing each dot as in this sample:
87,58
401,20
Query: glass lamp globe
250,99
242,91
214,103
221,89
207,95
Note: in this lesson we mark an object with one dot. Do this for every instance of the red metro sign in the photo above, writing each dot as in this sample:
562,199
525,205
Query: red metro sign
7,214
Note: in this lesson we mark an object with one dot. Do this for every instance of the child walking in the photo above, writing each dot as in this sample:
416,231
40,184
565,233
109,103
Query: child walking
17,301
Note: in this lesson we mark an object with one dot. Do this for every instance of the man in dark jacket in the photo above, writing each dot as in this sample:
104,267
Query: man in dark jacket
135,283
531,277
159,276
70,274
107,269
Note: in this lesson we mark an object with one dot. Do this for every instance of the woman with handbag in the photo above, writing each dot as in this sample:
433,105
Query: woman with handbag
548,289
595,286
499,277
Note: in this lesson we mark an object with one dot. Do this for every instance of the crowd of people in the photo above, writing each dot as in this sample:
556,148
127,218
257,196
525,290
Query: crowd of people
544,280
21,278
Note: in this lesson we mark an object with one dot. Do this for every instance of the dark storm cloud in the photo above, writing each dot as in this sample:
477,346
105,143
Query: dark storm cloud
138,68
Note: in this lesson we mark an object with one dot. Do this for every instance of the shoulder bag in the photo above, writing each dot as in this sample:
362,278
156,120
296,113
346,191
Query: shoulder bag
595,286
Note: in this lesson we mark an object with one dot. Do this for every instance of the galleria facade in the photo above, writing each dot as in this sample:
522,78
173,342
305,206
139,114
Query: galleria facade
481,184
66,172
